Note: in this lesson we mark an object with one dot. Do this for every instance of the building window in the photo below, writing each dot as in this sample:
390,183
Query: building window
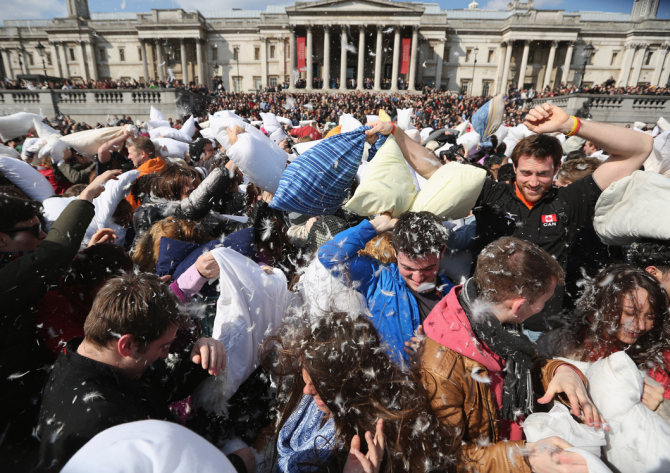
49,59
30,59
273,81
257,83
288,53
647,59
272,51
72,54
103,55
139,53
615,54
215,53
447,54
465,84
490,58
531,57
176,53
237,84
236,55
431,54
486,88
468,55
257,54
122,54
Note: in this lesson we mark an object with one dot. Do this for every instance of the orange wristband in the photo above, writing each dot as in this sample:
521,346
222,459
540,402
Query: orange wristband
393,125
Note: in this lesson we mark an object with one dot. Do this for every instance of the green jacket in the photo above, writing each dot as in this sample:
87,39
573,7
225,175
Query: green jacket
67,172
23,283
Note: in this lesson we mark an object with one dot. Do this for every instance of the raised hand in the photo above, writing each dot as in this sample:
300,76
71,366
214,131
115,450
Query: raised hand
370,463
211,354
547,118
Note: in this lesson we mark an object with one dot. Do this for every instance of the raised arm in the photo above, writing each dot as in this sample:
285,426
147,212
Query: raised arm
628,148
422,160
105,149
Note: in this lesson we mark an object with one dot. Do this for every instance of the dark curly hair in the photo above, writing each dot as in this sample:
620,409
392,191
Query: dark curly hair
647,253
345,359
419,234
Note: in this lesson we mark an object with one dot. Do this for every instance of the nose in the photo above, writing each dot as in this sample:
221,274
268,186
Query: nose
308,390
417,277
641,324
42,235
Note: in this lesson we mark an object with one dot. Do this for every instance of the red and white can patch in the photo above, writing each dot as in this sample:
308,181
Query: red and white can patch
551,218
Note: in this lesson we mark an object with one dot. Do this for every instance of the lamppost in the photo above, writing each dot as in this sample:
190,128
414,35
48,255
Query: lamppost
40,50
472,85
588,52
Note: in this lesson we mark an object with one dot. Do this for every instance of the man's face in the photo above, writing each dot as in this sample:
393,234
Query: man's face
416,272
144,357
208,151
136,156
494,170
534,177
589,148
23,240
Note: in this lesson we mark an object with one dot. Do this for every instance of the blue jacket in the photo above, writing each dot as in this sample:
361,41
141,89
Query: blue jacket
394,309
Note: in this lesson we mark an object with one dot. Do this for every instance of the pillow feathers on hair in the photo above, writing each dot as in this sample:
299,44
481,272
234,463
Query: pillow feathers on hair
317,181
386,184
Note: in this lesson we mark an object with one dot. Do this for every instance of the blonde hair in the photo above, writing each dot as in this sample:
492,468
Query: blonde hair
145,252
380,248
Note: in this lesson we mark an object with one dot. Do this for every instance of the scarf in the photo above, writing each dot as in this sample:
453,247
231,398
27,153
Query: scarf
304,438
8,257
509,343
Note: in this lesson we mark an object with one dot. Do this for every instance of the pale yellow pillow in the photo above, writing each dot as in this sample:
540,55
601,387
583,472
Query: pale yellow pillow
386,184
451,192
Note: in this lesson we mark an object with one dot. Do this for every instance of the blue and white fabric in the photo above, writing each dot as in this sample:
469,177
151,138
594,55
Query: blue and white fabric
317,181
488,118
305,439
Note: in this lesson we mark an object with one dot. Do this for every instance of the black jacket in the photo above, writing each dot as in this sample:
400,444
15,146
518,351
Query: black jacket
83,397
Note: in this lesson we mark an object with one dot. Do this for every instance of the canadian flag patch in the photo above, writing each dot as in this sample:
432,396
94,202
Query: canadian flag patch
551,218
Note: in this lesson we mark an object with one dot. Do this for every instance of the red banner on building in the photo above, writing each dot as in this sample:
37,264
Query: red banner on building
302,67
406,51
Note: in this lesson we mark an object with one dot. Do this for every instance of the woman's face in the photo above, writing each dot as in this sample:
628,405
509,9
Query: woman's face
310,390
637,317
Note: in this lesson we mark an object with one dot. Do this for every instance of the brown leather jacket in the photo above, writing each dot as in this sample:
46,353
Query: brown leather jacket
469,407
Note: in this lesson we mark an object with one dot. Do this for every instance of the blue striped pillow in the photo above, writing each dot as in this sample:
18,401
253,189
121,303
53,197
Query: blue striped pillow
317,181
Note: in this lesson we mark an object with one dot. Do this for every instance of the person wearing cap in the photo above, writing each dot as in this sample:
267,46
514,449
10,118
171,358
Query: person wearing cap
530,207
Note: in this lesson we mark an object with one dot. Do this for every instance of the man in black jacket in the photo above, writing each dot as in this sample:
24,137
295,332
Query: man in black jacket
114,374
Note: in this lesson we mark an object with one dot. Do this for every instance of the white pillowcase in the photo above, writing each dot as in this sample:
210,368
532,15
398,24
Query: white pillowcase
17,124
189,127
262,161
87,142
405,118
169,148
167,132
26,178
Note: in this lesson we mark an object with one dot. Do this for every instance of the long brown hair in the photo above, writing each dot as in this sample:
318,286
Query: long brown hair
145,252
597,318
173,180
345,360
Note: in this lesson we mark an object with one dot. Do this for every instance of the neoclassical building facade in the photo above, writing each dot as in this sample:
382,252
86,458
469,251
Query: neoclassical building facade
346,44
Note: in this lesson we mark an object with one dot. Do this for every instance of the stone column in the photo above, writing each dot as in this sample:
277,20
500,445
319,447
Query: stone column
568,62
665,75
499,70
378,58
65,59
201,62
626,64
502,87
159,61
293,57
54,59
662,52
24,60
93,63
308,58
145,60
639,59
82,59
326,58
439,55
264,62
343,60
184,65
412,58
396,59
360,80
550,65
524,63
8,65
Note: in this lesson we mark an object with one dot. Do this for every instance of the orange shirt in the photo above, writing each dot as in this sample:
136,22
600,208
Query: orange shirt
521,198
148,167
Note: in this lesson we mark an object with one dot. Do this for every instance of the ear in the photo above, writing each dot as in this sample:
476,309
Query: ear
4,240
125,345
443,251
653,270
517,304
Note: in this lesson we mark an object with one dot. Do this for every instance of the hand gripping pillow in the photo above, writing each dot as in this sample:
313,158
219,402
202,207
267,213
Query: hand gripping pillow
386,184
638,439
317,181
17,124
87,142
167,132
26,178
259,159
451,192
405,118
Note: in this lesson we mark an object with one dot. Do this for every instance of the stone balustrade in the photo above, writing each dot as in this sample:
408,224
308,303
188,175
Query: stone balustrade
95,105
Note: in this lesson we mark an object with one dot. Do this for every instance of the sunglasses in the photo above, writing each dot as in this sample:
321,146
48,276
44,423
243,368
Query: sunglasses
35,229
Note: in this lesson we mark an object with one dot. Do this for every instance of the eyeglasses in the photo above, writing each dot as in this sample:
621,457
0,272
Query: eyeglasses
35,229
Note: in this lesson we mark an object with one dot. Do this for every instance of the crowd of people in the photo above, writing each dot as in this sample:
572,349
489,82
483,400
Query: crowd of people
269,285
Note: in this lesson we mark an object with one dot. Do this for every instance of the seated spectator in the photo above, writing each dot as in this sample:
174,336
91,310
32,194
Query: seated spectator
335,383
113,375
481,371
400,296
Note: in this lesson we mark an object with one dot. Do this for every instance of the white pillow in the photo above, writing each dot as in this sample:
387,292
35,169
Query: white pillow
405,118
638,439
501,133
520,132
169,148
462,127
43,130
284,121
26,178
307,122
371,118
87,142
17,124
11,152
510,142
386,184
155,114
219,126
262,161
167,132
189,127
55,148
349,123
451,192
663,124
153,124
270,122
425,133
469,140
300,148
